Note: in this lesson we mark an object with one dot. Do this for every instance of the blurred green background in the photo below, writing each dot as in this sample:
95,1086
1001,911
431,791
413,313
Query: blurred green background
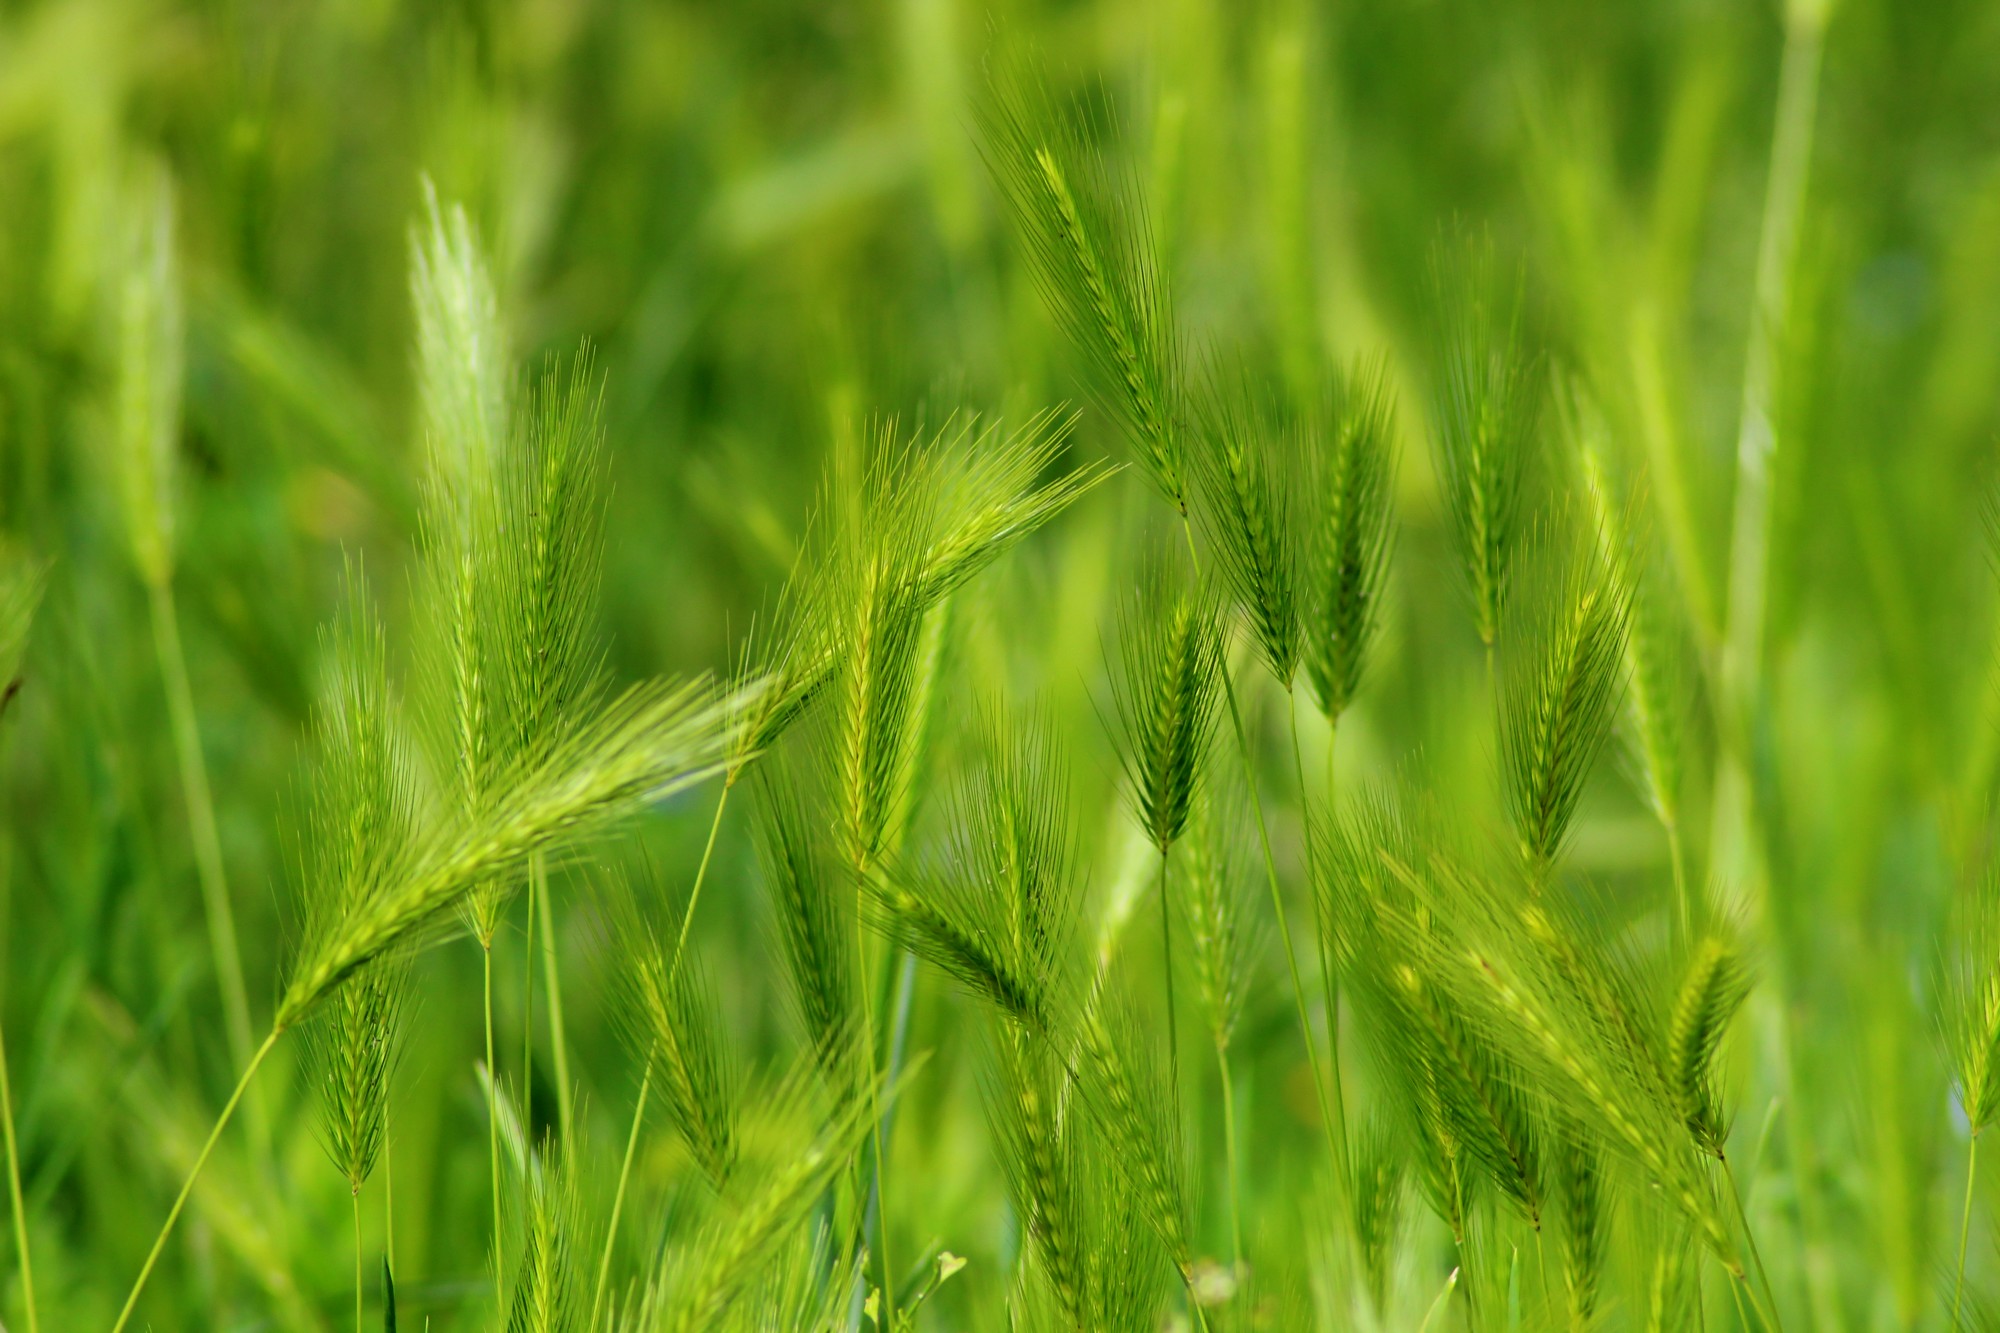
770,220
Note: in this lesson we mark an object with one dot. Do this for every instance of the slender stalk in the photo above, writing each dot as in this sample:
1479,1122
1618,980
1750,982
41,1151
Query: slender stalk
1329,979
700,876
1167,971
1542,1265
221,918
1229,1147
1332,778
528,1011
14,1192
1741,664
899,1024
618,1197
1677,853
388,1195
552,983
1767,1305
492,1121
194,1173
645,1078
355,1195
1335,1134
1964,1231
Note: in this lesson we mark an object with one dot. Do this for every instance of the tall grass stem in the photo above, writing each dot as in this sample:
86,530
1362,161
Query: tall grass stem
492,1121
14,1193
194,1173
552,983
221,917
1964,1233
1334,1139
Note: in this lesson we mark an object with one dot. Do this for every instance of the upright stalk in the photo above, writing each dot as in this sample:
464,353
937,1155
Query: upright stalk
1335,1134
1740,667
1167,971
552,983
492,1121
1329,980
646,1078
1233,1166
877,1203
355,1195
221,918
1964,1231
528,1010
194,1173
1767,1305
14,1192
618,1197
1737,843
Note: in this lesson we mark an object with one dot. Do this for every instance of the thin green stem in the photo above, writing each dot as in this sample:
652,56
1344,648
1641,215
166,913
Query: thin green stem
1736,1286
1167,972
645,1078
618,1197
194,1173
528,1011
1964,1231
492,1121
1335,1135
355,1195
552,983
1229,1149
1766,1305
1677,854
388,1194
700,877
224,952
14,1192
1329,978
1542,1265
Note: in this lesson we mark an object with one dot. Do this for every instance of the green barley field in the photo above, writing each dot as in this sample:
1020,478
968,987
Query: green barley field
847,666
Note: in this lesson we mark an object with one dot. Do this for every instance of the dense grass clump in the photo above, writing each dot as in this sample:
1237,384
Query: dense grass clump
811,668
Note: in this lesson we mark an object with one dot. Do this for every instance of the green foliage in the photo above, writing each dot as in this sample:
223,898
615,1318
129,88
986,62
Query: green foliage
690,382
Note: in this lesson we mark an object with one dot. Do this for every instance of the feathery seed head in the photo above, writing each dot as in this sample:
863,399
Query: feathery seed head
1165,690
1487,404
1090,242
1249,459
1714,988
1349,533
1561,695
